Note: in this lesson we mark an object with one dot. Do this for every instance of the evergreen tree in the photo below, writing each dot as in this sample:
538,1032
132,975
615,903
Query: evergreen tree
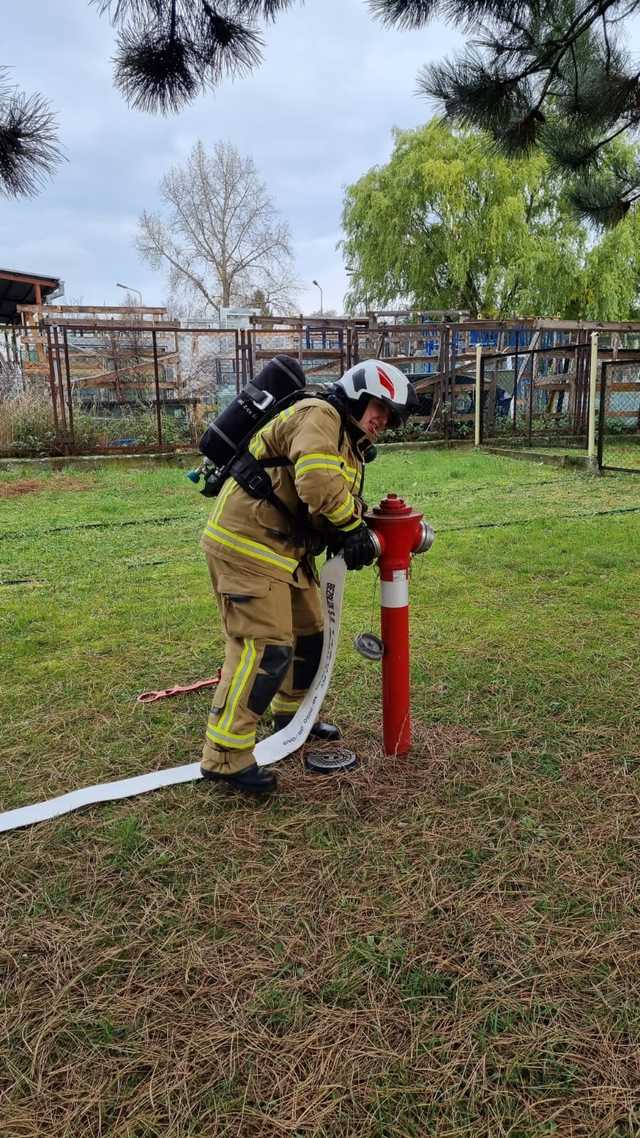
170,50
551,74
542,73
29,151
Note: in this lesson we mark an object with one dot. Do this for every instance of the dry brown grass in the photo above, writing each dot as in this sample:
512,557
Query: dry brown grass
60,483
25,416
434,945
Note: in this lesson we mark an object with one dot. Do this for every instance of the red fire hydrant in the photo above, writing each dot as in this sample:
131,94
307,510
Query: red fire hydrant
400,533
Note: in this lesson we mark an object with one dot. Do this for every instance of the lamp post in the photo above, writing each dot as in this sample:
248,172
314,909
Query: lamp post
321,301
129,289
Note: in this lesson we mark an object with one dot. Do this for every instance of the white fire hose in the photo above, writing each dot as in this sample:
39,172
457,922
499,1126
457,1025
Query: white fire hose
268,751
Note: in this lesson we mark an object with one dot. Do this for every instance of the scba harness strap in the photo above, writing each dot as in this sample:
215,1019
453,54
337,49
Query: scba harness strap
251,475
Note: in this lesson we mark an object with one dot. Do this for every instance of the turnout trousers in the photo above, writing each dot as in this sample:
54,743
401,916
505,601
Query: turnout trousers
273,641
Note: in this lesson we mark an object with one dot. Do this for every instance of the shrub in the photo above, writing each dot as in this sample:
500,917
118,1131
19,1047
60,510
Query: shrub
414,430
27,427
626,426
26,424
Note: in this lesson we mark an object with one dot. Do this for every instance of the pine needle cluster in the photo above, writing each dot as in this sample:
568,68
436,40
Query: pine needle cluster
552,74
29,150
170,50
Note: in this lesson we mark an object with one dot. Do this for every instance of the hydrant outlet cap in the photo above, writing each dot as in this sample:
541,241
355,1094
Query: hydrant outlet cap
426,540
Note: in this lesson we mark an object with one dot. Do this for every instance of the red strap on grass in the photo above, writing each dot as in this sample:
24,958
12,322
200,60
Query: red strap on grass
152,696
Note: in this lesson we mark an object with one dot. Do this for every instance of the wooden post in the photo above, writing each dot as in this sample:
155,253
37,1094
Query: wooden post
176,347
68,377
243,361
157,386
59,383
593,388
250,352
52,381
478,423
534,371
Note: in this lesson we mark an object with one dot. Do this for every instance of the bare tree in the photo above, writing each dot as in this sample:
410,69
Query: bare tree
219,233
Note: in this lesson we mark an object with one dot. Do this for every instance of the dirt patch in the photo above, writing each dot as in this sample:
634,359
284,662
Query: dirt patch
36,485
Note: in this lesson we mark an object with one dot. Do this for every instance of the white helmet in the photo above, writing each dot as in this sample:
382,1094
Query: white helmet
384,381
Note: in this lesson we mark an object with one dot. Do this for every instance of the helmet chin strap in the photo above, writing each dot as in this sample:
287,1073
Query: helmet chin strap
357,435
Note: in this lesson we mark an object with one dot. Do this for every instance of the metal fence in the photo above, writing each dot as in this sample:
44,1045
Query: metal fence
619,415
534,396
98,383
76,386
96,387
541,398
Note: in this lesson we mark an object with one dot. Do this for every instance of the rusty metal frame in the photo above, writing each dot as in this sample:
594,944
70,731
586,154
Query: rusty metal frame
604,370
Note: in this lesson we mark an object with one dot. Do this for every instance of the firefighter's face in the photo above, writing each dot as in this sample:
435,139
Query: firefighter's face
375,418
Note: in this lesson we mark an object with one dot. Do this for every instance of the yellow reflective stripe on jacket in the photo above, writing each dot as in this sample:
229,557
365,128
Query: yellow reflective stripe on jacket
319,462
351,525
343,512
257,446
222,497
325,462
237,685
248,548
244,545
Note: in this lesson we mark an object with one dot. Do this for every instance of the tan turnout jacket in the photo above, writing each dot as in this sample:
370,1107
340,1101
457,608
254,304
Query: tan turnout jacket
325,473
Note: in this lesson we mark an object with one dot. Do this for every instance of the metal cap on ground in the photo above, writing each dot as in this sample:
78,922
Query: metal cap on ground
327,762
369,645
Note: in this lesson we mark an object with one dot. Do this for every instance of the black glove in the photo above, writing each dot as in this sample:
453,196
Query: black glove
358,548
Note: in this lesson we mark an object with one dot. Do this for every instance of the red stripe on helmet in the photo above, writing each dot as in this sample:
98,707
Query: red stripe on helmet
386,382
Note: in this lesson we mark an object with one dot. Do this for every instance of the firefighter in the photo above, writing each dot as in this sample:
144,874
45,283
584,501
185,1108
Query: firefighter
260,546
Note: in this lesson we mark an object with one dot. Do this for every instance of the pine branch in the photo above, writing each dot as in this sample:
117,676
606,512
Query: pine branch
602,209
603,196
170,50
532,64
29,149
154,70
476,96
404,13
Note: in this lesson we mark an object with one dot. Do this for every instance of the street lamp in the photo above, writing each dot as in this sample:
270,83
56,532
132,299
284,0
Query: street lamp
318,286
129,289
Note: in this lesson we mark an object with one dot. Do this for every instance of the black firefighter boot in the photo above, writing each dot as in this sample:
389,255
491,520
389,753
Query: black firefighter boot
251,780
324,732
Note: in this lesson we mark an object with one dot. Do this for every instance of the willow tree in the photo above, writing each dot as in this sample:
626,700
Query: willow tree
449,223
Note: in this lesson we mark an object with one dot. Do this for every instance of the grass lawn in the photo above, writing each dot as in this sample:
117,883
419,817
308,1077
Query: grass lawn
619,452
440,945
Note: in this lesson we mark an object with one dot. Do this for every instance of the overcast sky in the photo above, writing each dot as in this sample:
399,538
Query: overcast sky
315,116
